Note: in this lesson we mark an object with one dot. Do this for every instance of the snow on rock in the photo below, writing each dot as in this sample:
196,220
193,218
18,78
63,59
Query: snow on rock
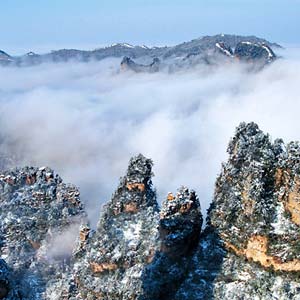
248,51
224,49
249,248
31,204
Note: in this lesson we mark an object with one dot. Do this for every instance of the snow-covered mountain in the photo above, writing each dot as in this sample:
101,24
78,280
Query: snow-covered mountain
198,46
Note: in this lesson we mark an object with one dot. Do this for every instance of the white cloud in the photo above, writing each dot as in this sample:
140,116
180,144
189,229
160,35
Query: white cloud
86,120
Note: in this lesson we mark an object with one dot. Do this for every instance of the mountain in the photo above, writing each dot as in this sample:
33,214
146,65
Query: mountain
198,46
208,42
128,64
39,213
256,55
5,59
249,247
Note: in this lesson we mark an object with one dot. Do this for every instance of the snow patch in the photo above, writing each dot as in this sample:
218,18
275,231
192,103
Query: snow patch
282,225
132,234
270,54
219,46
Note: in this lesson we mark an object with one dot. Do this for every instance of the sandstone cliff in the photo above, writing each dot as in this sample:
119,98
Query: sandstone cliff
249,248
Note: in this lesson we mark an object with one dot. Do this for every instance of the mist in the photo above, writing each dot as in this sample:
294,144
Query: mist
85,120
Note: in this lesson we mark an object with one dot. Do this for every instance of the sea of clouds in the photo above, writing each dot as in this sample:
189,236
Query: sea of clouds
85,120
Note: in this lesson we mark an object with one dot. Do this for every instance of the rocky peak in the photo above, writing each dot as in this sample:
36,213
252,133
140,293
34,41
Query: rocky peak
256,206
134,244
129,64
135,189
36,210
225,49
250,248
249,145
5,59
249,51
112,259
180,222
3,55
139,172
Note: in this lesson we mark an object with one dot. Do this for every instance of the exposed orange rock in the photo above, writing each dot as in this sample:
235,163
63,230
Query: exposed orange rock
293,206
170,197
247,202
99,268
293,202
290,197
278,177
131,207
84,234
35,245
30,179
139,186
185,207
256,250
231,247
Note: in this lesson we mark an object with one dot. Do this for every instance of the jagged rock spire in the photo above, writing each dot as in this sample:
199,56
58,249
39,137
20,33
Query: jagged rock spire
249,144
135,189
133,244
180,222
137,253
257,200
112,259
179,232
243,193
36,209
139,172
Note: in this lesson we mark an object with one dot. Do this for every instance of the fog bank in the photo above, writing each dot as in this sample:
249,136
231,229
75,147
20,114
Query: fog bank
87,120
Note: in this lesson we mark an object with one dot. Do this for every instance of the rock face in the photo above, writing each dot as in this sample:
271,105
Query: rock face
179,227
111,263
223,48
128,64
37,212
255,213
180,223
255,55
5,59
259,188
136,252
248,51
249,249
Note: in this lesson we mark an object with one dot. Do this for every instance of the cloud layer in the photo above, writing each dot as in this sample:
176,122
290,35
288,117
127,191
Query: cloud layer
87,120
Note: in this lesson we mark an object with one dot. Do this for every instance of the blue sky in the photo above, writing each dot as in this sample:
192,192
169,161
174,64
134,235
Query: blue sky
41,25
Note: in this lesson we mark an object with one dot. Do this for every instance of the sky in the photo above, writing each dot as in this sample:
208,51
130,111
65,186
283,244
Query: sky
41,26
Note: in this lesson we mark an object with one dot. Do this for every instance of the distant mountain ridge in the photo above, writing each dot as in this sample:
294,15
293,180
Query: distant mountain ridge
196,46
